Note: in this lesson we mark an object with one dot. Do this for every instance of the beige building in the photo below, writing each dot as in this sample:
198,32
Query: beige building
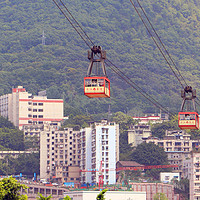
191,169
22,108
142,130
58,151
63,153
14,154
138,133
178,146
117,195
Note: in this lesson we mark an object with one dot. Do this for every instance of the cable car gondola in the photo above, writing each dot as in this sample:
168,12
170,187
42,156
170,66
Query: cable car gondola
96,85
186,119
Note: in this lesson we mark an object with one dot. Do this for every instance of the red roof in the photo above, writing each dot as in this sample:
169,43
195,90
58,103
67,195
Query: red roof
129,164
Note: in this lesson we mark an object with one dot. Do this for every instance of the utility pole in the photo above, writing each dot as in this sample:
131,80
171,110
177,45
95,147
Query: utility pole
43,38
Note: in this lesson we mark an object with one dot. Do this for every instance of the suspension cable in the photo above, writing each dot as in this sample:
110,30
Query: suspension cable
74,23
89,43
157,44
161,42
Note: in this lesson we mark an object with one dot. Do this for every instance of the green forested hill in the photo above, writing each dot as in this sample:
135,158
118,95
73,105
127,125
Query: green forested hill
60,65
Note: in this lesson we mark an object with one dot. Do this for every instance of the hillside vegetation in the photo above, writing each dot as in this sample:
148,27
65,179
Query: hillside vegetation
60,65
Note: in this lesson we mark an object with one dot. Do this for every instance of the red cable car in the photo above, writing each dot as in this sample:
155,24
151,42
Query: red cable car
188,120
96,85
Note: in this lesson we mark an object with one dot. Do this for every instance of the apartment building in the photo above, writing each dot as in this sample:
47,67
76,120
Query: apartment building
138,133
142,130
59,150
99,152
22,108
178,146
191,169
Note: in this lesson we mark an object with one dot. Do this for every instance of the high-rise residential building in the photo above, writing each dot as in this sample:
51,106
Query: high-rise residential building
65,153
99,149
59,150
22,108
192,172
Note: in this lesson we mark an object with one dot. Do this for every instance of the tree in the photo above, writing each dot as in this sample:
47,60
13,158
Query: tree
149,154
67,198
182,187
158,130
41,197
100,196
160,196
10,189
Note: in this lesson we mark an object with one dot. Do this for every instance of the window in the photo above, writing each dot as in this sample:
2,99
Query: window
29,103
40,104
29,109
40,122
34,116
30,122
29,115
40,110
35,104
40,116
34,110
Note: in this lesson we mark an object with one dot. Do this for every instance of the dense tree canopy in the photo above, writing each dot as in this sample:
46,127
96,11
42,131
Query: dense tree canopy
10,189
158,130
60,65
149,154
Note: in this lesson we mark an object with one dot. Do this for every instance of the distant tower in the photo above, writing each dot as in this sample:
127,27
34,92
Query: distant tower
43,38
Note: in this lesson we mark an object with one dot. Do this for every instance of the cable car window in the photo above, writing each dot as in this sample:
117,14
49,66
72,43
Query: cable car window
88,83
94,82
100,82
192,117
187,116
106,84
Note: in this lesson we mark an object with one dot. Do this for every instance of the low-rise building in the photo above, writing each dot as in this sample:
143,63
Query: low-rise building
152,188
14,154
168,177
117,195
142,130
138,133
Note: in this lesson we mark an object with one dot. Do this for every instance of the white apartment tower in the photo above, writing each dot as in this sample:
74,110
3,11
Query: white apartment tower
99,144
22,108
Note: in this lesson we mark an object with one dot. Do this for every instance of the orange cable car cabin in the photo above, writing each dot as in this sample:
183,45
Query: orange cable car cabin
96,85
188,119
